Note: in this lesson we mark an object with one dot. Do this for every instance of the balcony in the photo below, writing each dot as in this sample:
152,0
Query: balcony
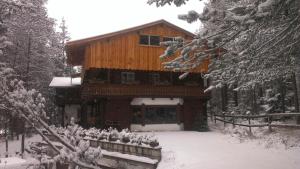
133,90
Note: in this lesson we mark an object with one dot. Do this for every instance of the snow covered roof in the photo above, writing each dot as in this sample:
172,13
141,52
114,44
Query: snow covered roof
65,82
156,101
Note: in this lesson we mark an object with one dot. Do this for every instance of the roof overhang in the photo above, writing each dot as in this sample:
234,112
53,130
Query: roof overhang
65,82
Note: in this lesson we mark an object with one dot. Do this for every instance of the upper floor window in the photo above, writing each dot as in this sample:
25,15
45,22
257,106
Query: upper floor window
127,77
168,39
154,78
150,40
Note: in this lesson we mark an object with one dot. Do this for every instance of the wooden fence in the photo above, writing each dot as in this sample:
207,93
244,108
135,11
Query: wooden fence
231,119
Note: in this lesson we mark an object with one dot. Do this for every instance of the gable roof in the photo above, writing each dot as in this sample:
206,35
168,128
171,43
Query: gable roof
124,31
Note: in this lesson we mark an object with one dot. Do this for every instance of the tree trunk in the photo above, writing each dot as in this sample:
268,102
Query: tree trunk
28,61
15,56
282,93
297,78
224,98
295,93
235,96
254,103
6,138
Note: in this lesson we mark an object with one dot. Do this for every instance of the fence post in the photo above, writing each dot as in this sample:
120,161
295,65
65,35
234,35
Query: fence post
233,121
249,122
269,122
224,119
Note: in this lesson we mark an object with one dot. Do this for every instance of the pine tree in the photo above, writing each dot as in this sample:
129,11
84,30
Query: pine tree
249,43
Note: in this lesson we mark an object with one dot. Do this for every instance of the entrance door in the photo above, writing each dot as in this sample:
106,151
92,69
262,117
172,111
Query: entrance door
95,113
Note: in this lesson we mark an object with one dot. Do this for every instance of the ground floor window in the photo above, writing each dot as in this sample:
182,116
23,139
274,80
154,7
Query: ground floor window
160,115
137,117
155,115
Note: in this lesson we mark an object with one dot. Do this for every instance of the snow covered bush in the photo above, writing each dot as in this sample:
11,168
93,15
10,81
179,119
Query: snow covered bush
112,135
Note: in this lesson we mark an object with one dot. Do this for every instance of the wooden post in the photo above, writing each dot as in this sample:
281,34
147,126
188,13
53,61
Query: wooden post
178,113
84,114
249,122
23,143
63,116
143,114
269,123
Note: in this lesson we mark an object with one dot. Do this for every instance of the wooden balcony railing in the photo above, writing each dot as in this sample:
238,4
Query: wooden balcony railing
90,90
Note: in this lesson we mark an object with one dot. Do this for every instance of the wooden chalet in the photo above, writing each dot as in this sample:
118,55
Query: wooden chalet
124,85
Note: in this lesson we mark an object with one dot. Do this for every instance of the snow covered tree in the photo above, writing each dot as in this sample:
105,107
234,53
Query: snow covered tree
260,38
36,52
29,105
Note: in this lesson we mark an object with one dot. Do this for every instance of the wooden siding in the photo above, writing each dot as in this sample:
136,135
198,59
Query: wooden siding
125,52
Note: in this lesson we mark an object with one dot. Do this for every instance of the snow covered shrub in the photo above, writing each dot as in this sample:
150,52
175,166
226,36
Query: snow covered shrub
83,151
113,134
103,135
271,101
125,136
92,132
150,140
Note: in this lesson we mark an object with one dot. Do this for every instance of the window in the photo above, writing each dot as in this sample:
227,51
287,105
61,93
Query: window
154,40
167,39
160,115
137,117
154,78
127,77
150,40
144,40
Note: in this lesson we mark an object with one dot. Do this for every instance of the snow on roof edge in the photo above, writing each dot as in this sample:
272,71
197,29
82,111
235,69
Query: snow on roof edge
65,82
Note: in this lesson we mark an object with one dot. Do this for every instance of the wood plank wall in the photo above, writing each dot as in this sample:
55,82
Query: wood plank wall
125,52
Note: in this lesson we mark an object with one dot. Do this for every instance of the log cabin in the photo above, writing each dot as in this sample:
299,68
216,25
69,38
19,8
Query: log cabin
123,83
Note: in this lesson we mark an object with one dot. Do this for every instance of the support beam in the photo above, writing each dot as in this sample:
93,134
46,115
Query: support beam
178,113
143,114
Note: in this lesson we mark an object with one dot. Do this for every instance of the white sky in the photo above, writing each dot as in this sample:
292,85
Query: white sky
85,18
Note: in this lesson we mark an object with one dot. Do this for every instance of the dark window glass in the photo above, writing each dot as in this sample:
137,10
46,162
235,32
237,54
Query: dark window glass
167,39
154,40
127,77
144,39
137,115
154,78
160,115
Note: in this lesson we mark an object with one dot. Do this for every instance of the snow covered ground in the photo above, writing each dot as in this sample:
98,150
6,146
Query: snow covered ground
214,150
14,148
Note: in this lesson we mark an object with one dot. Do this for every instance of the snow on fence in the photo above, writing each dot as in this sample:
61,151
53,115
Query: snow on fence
269,117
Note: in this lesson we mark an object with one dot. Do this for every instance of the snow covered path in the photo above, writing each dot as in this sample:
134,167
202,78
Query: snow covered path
214,150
